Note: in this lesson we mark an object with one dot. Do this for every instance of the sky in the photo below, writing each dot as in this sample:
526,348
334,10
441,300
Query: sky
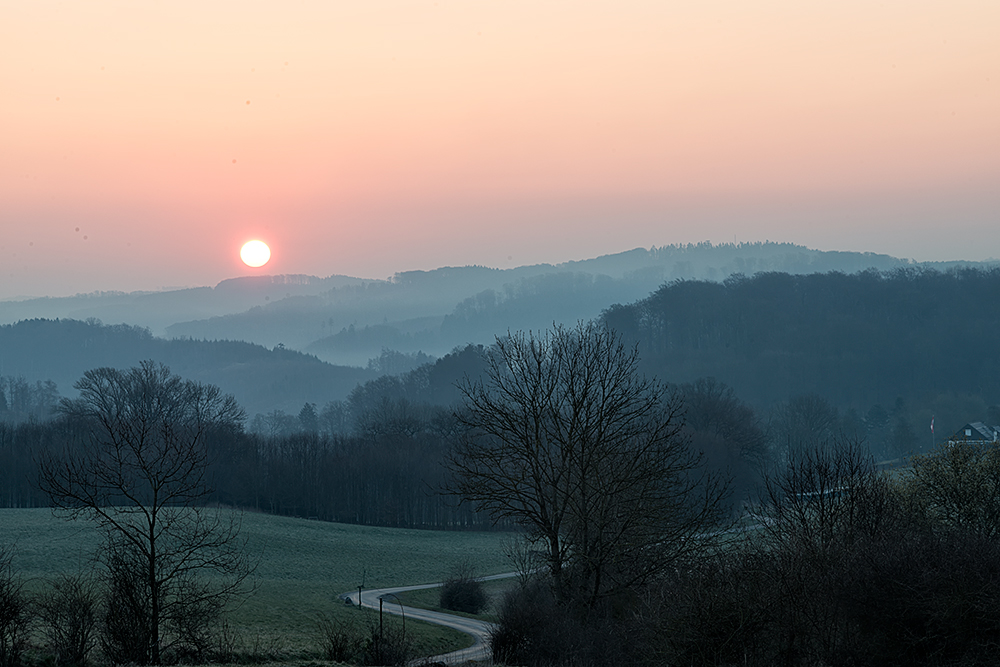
141,144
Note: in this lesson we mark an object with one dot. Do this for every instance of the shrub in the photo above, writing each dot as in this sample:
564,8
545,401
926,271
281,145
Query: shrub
845,571
386,644
15,618
536,630
69,616
463,592
523,634
339,640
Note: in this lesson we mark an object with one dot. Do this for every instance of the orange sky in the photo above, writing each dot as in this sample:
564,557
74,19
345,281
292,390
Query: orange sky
378,136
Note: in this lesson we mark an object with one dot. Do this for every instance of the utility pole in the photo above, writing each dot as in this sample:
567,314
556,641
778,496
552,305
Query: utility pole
364,577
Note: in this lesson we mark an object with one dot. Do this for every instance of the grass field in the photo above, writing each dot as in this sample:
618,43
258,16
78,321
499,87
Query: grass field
303,568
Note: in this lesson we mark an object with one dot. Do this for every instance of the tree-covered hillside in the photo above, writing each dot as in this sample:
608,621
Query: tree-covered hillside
435,311
858,340
261,379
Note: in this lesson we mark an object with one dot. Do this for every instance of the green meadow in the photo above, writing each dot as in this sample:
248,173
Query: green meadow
302,569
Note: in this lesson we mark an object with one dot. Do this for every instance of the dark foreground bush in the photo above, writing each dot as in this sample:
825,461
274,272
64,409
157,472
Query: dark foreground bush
534,630
464,594
526,620
69,615
339,640
364,643
844,570
912,598
386,644
14,614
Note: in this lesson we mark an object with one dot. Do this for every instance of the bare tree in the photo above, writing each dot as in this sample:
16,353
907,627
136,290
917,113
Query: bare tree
712,407
802,422
727,432
567,438
141,474
823,496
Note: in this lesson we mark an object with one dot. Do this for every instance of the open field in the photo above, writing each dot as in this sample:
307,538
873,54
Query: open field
303,566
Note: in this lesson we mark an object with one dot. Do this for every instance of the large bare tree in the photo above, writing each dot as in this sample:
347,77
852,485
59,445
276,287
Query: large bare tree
142,474
567,438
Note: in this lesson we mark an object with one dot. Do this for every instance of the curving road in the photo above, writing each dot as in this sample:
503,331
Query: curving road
480,630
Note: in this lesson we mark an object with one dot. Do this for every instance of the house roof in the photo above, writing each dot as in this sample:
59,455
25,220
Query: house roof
976,432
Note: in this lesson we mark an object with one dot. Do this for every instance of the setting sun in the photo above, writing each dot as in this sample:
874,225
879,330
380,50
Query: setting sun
255,253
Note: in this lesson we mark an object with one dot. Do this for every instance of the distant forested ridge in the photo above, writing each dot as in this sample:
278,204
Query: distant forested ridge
435,311
157,310
60,351
345,320
857,340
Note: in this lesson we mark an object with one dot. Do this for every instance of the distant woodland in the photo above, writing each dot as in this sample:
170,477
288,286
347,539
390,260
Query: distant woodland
348,321
912,340
60,351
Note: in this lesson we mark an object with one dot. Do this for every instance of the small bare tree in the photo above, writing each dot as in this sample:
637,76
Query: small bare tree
141,474
69,612
567,438
825,495
15,616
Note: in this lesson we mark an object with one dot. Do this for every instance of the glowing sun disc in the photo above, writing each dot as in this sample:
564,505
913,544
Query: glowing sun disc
255,253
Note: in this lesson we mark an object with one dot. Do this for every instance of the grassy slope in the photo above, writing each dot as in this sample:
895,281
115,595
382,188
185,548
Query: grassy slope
303,567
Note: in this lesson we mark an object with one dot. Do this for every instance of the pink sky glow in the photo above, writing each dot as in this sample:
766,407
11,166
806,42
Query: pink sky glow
366,138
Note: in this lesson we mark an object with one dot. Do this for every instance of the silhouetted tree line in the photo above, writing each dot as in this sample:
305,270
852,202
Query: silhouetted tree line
372,459
21,446
389,477
22,401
